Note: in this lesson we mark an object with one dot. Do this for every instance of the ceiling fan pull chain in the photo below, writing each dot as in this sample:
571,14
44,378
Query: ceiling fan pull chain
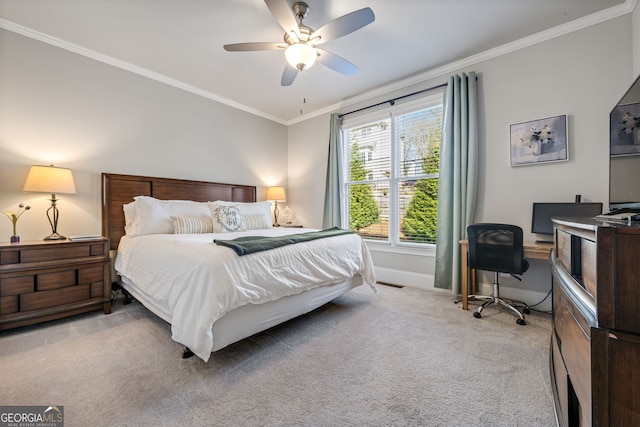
304,99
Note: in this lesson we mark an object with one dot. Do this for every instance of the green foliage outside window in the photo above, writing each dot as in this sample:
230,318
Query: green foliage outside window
419,224
420,220
403,207
363,209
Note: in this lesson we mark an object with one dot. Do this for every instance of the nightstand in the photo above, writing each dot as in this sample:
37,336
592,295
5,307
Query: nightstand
46,280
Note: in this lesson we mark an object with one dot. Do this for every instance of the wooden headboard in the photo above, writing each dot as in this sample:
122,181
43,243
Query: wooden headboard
118,190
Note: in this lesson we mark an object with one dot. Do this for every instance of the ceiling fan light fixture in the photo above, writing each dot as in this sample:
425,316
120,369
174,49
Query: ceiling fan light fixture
301,42
301,56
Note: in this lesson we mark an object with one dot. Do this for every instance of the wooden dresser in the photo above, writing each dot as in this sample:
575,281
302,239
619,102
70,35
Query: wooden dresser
595,344
46,280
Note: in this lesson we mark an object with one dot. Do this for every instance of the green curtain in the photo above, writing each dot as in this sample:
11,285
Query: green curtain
332,212
458,177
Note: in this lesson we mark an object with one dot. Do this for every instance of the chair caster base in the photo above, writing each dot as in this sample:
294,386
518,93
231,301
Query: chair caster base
521,322
477,315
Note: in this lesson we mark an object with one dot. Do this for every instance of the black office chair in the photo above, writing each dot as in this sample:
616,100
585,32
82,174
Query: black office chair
497,248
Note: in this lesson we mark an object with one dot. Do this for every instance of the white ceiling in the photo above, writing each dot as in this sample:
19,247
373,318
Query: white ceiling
180,41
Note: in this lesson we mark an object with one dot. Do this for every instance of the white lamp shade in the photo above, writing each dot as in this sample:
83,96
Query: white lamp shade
276,193
49,179
300,55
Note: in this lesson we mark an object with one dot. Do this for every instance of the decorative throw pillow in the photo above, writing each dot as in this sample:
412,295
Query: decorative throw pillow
255,222
192,225
254,208
227,219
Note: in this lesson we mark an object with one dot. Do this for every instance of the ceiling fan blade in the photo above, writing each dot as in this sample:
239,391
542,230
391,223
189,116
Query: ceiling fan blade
253,46
336,63
288,75
344,25
284,15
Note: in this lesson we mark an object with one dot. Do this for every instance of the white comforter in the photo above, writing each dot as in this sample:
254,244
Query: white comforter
198,281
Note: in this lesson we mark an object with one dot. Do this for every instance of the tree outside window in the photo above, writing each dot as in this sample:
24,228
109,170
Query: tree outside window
392,184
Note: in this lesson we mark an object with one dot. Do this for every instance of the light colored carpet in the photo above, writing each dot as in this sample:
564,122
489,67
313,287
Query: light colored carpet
401,357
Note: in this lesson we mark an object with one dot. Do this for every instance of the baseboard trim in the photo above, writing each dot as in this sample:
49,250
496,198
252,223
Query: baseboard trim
426,281
406,278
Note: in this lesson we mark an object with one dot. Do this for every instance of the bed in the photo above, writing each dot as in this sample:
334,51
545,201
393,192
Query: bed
163,231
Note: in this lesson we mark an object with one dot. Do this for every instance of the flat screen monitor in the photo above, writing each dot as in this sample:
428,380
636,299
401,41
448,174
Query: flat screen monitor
543,212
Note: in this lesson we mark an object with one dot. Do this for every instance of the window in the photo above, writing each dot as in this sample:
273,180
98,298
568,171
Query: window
391,160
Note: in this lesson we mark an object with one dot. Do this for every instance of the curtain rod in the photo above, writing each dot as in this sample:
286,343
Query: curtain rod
393,100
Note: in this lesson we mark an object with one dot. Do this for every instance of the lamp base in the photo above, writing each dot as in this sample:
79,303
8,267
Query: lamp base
275,215
55,236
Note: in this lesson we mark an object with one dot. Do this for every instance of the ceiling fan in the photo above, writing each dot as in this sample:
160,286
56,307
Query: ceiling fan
301,42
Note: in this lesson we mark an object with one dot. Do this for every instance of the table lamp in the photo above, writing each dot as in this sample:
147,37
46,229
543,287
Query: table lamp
50,179
277,195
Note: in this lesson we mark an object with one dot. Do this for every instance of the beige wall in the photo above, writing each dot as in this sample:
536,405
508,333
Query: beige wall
308,150
57,107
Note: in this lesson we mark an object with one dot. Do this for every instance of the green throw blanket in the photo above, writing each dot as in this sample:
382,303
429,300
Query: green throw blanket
250,244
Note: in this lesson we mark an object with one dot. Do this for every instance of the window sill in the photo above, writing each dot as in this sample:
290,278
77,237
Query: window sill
418,250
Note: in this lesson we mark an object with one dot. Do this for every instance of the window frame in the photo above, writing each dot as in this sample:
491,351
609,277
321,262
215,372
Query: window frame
391,112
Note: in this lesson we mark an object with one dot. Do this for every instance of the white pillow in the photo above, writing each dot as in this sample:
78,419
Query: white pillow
192,224
257,208
153,216
130,218
255,222
226,219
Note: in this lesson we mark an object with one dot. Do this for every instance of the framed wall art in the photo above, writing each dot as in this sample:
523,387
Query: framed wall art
625,130
539,141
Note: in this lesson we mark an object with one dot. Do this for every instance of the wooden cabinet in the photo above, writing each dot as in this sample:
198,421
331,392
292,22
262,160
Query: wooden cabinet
595,345
46,280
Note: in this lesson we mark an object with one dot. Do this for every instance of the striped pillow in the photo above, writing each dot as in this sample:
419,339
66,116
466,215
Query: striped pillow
191,224
255,222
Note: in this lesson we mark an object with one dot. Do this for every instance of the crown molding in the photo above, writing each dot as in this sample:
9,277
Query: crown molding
439,72
144,72
445,70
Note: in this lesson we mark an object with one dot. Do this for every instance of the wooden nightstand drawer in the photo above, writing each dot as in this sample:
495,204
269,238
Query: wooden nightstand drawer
45,299
8,304
53,253
97,249
16,285
90,275
60,279
42,281
9,257
97,289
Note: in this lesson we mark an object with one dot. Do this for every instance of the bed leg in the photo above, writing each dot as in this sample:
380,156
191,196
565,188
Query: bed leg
115,288
187,353
127,297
